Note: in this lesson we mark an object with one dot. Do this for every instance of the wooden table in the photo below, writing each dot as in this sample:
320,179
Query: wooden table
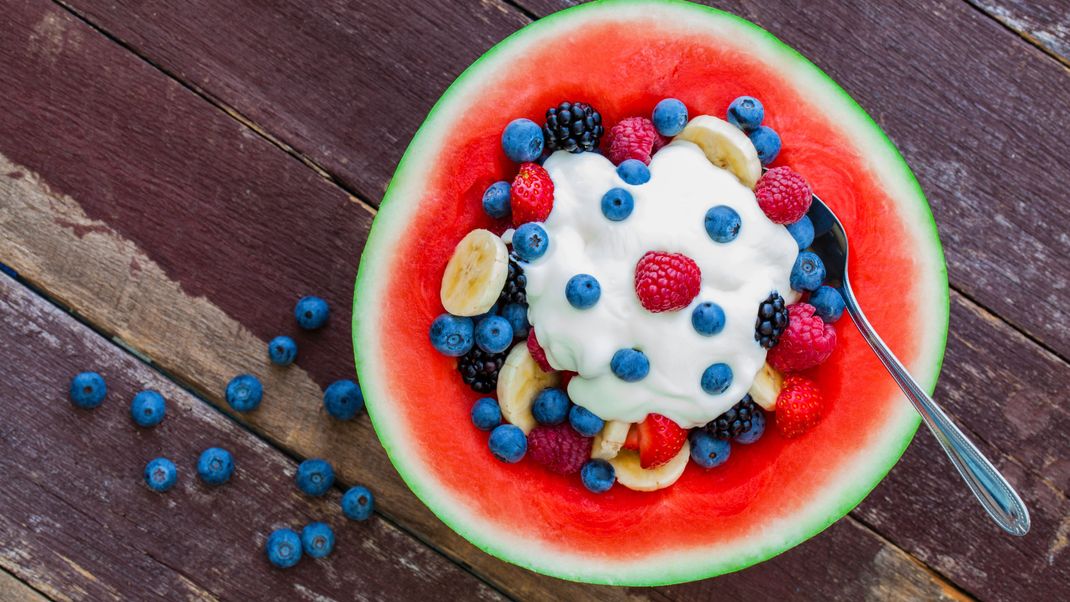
174,174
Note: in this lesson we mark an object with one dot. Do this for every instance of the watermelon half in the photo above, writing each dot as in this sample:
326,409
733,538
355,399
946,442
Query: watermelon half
623,56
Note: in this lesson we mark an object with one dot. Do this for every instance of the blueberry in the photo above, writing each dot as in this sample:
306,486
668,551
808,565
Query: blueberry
314,476
598,476
496,199
808,272
716,379
722,223
634,172
87,390
311,312
530,241
802,231
757,428
494,334
550,406
707,319
215,466
343,399
282,351
767,142
358,503
583,291
283,548
148,408
486,414
517,316
617,204
670,117
244,393
452,335
828,303
161,474
508,443
317,539
708,451
746,113
630,365
584,421
522,140
6,269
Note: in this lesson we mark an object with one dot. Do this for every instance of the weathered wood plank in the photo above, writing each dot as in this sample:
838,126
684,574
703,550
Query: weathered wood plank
13,590
1045,23
78,522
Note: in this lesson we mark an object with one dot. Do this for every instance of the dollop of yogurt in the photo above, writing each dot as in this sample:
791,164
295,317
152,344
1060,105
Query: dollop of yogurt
668,216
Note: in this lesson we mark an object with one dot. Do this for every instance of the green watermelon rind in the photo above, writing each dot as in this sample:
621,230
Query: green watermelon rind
673,567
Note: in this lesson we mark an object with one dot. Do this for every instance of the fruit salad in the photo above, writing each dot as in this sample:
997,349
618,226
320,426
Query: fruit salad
648,301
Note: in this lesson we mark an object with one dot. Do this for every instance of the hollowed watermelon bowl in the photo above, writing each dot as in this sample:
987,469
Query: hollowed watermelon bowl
624,56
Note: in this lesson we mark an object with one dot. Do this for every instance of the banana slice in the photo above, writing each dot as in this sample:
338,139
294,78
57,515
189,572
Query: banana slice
519,381
766,387
725,146
633,476
607,444
475,274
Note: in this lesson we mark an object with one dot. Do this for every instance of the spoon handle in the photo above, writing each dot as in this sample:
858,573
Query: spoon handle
993,491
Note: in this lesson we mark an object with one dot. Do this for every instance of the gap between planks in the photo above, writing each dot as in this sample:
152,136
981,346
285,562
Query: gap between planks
1021,33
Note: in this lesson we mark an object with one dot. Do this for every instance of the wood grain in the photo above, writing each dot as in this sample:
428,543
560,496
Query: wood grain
1045,23
78,522
13,590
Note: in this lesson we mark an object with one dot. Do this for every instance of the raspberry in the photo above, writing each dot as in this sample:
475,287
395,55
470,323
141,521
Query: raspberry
634,138
537,354
783,195
559,448
666,281
566,377
806,342
799,407
532,194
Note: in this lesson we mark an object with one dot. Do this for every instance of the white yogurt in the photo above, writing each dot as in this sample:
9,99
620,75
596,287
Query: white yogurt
669,216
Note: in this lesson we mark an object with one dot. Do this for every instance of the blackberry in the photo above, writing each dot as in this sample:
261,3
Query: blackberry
515,290
772,320
734,421
572,126
479,369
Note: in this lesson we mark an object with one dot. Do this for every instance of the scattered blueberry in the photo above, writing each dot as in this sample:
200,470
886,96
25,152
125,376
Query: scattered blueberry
486,414
496,199
716,379
802,231
148,408
282,351
517,316
746,113
215,466
550,406
617,204
6,269
670,117
530,241
311,312
757,428
584,421
630,365
283,548
598,476
522,140
583,291
358,503
244,393
722,223
508,443
707,319
767,142
708,451
317,539
343,399
87,390
161,474
452,335
828,303
494,334
808,272
634,172
314,476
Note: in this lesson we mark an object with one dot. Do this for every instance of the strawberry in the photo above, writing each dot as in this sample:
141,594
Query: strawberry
806,342
634,138
632,440
532,194
799,407
660,439
666,281
783,195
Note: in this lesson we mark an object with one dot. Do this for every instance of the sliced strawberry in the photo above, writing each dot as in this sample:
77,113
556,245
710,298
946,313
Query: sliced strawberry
632,440
660,439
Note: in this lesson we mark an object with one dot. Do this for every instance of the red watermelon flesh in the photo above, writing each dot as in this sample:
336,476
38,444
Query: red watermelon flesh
623,57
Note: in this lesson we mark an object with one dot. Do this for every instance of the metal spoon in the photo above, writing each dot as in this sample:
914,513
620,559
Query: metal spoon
993,491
